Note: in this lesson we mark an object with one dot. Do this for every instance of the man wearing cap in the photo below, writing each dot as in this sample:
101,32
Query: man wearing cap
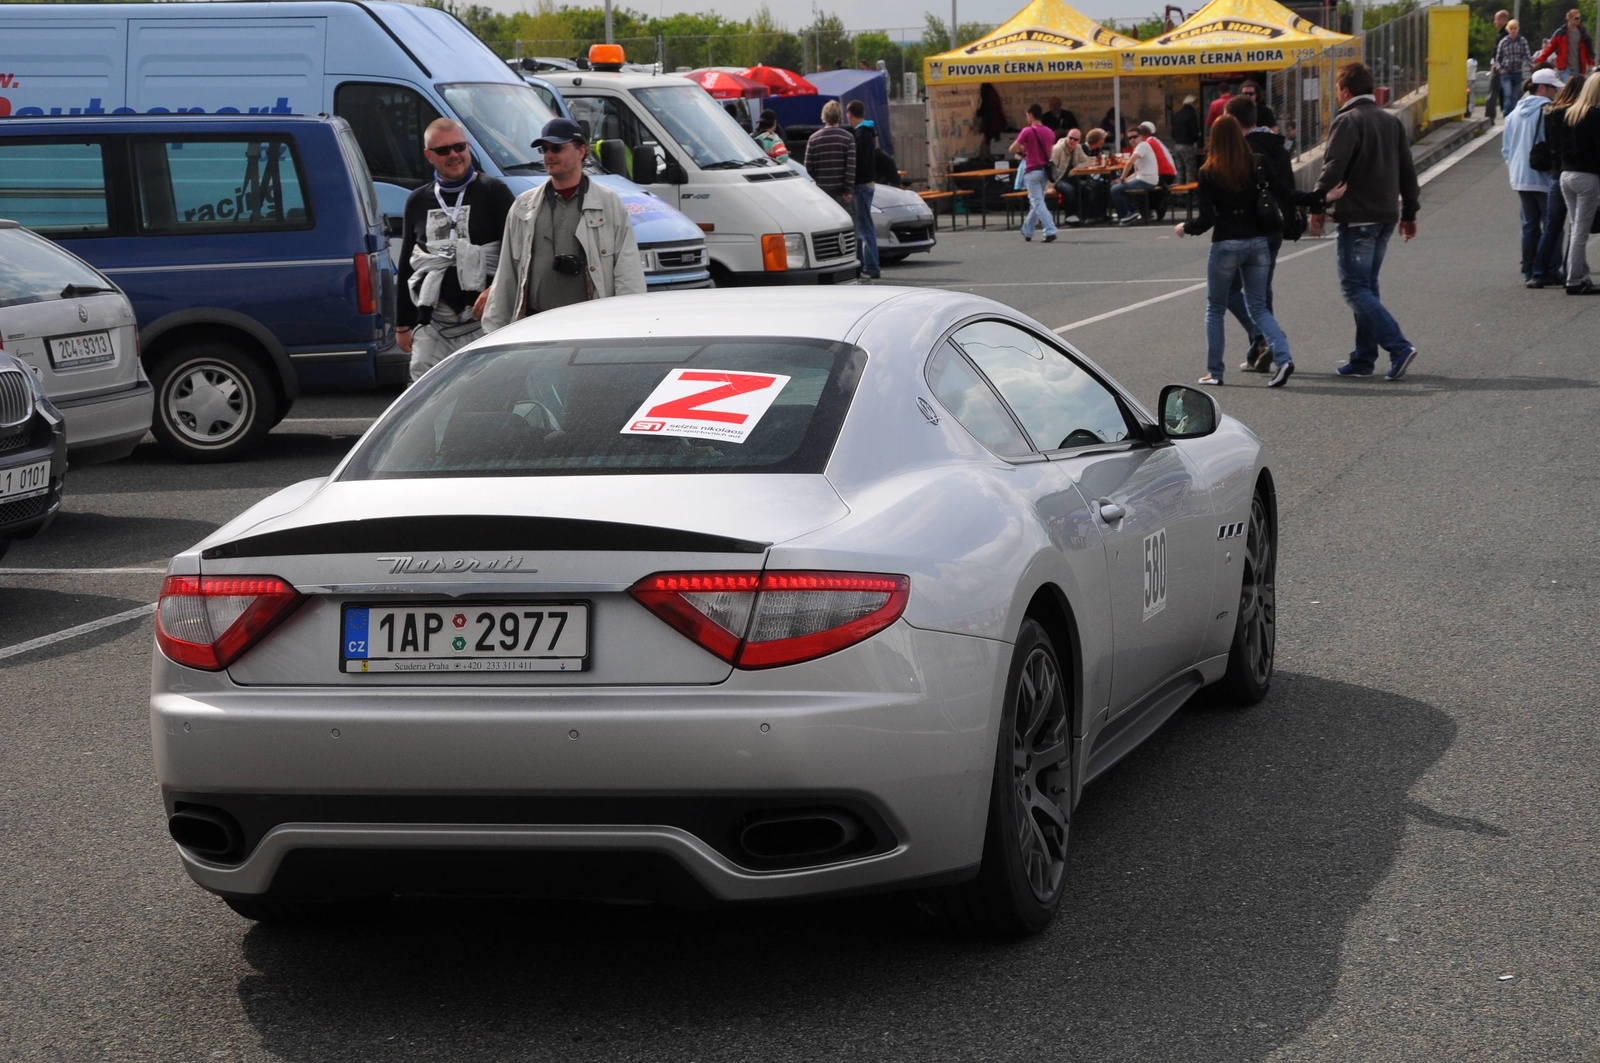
1523,130
567,241
1185,141
450,249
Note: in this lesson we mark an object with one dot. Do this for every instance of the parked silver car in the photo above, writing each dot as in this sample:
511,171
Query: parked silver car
904,223
737,595
76,329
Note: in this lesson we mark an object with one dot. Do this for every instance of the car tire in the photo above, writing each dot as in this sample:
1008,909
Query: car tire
213,402
282,912
1023,874
1253,652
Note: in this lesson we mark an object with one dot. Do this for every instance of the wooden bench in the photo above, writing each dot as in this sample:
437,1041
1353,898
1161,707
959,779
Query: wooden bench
1187,192
933,199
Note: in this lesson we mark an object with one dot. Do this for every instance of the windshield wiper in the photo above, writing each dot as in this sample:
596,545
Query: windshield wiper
72,291
729,164
533,164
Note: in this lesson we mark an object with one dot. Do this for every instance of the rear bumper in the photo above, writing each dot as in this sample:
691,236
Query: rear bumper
23,518
107,427
898,731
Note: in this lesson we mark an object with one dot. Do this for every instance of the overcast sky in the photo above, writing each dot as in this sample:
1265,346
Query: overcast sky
878,14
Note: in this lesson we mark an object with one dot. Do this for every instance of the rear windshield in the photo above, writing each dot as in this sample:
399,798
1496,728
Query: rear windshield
32,269
678,406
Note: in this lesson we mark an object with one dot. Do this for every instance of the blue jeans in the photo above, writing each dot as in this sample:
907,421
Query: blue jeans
1553,244
1510,88
1119,197
866,232
1361,249
1036,181
1252,260
1236,305
1533,215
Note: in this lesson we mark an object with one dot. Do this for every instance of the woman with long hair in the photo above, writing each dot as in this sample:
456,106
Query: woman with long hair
1553,242
1228,202
1580,182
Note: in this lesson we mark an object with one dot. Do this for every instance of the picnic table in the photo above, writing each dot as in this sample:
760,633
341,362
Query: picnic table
982,175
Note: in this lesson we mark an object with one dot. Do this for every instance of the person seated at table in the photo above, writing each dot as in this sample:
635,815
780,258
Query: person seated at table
1064,157
1078,186
1140,174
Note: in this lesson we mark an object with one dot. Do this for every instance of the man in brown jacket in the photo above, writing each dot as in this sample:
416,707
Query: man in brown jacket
1369,152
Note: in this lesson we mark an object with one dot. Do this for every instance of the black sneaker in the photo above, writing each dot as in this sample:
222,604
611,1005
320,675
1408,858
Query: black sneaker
1281,377
1050,239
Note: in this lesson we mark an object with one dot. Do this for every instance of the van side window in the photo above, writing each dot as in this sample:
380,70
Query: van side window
219,185
54,188
388,121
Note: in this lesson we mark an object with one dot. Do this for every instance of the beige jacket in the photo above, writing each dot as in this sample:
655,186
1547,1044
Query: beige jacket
609,247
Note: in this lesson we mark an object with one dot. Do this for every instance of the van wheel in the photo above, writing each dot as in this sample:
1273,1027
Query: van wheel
213,402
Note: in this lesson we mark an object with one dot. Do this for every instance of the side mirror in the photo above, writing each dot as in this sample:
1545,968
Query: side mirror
614,157
646,163
1188,413
394,225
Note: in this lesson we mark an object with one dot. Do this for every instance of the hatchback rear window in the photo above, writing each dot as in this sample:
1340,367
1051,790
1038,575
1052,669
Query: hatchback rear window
662,406
33,270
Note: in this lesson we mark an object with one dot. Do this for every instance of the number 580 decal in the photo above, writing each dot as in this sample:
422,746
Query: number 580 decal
1155,573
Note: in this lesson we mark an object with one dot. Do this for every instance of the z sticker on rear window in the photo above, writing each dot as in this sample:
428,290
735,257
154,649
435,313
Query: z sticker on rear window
1155,573
706,404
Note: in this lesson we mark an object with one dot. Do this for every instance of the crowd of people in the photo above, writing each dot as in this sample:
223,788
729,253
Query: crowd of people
1551,146
1568,52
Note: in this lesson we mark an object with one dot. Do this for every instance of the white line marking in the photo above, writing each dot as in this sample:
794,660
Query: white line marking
1318,244
77,571
328,420
74,632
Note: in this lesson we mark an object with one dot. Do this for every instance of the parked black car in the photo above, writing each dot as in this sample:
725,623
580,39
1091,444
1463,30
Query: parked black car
33,454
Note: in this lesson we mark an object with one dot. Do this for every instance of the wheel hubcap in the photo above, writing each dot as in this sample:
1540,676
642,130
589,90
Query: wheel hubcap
1258,599
1039,774
206,403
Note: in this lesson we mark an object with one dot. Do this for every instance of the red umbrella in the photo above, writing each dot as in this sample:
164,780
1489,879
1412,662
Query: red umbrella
781,82
726,86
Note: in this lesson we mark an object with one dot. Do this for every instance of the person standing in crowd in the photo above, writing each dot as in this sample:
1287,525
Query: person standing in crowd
568,241
1186,141
831,156
1553,244
1140,174
1273,157
1525,125
1570,47
1034,144
1058,119
1511,58
1264,117
770,137
865,177
1501,17
1226,201
1219,105
450,249
1580,183
1368,150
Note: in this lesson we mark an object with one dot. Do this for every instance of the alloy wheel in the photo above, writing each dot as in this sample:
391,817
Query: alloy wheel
1039,774
1258,602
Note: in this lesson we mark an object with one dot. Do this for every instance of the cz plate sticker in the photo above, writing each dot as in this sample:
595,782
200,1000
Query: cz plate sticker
706,404
1155,573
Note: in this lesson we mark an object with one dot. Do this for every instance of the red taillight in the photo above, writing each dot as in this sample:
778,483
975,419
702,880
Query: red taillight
775,618
207,622
366,294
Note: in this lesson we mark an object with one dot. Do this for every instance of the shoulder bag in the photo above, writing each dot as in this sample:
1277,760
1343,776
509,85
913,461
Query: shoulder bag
1269,217
1539,156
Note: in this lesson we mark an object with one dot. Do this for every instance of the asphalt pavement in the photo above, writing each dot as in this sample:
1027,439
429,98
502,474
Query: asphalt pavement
1395,857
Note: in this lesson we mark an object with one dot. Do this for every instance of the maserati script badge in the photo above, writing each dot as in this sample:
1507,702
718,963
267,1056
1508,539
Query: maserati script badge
440,563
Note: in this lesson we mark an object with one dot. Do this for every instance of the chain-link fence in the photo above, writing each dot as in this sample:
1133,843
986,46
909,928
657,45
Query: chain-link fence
1397,54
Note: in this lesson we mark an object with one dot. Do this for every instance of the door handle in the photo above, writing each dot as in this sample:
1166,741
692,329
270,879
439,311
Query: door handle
1110,512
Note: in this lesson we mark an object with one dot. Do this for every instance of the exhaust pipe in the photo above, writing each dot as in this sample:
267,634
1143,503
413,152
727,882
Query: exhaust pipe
792,837
207,832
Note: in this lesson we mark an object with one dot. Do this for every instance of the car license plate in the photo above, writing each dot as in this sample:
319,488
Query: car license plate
25,480
466,637
75,352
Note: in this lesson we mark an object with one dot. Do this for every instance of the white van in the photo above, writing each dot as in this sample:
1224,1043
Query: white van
387,68
764,224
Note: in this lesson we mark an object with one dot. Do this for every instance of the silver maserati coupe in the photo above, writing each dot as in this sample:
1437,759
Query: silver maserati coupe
713,596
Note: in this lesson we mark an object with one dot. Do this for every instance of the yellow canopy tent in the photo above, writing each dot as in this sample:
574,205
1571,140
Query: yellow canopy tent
1232,35
1045,41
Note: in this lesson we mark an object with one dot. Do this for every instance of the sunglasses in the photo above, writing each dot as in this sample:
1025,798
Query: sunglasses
460,148
1248,92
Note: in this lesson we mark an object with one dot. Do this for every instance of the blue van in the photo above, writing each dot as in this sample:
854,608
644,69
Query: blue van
387,68
251,247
